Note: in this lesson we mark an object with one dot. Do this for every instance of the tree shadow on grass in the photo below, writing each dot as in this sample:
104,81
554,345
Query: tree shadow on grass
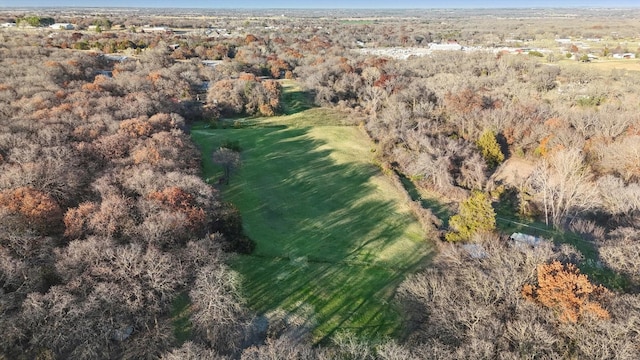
442,211
180,317
295,101
326,237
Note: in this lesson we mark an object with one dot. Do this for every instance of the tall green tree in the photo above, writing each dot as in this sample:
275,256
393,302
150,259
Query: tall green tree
476,215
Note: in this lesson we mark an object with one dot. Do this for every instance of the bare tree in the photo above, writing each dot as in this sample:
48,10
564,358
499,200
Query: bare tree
192,351
228,159
619,200
622,157
217,311
563,185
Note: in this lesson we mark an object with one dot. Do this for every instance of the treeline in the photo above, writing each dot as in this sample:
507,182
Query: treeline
34,21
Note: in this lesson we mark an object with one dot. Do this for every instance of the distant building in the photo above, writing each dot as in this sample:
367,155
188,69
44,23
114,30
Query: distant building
157,29
212,63
8,25
445,47
114,57
624,56
62,26
217,32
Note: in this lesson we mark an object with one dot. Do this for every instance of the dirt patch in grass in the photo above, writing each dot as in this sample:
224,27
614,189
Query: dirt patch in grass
513,171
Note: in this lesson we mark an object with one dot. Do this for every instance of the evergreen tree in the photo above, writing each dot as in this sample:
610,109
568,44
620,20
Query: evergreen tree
490,148
476,214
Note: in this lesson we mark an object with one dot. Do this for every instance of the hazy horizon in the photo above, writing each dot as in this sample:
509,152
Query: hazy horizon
326,4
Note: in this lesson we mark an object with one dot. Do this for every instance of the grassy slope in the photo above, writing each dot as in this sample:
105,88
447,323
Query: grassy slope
333,241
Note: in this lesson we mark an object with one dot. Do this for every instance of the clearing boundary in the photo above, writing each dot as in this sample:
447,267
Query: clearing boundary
334,236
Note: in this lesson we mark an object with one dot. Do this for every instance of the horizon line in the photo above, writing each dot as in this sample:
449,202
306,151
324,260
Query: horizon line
329,8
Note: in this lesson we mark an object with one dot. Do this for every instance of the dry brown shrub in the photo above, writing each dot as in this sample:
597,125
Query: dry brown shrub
76,220
250,38
91,87
88,132
266,110
247,77
161,122
114,217
177,199
114,146
148,155
39,209
137,127
154,76
464,102
564,289
60,109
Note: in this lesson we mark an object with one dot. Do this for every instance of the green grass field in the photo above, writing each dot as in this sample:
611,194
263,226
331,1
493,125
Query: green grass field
333,239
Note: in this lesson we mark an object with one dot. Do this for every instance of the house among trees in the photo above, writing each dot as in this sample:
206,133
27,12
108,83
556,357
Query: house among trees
163,29
445,47
211,63
624,56
62,26
115,57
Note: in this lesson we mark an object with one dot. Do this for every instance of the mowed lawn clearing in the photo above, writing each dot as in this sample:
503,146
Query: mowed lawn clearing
334,239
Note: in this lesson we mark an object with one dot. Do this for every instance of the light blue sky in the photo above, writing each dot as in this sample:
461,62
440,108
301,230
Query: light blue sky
353,4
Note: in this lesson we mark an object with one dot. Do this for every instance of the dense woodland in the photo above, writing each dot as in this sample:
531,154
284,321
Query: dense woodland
105,221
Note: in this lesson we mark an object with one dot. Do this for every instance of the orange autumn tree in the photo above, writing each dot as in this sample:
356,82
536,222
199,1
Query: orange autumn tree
38,209
76,220
565,289
179,200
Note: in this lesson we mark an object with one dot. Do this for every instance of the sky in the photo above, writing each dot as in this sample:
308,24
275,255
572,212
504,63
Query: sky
326,4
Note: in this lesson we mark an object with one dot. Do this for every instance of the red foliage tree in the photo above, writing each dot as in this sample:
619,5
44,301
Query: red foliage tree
464,102
179,200
76,220
38,209
564,289
137,127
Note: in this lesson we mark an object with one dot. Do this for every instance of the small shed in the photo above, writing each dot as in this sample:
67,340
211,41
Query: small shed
525,239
